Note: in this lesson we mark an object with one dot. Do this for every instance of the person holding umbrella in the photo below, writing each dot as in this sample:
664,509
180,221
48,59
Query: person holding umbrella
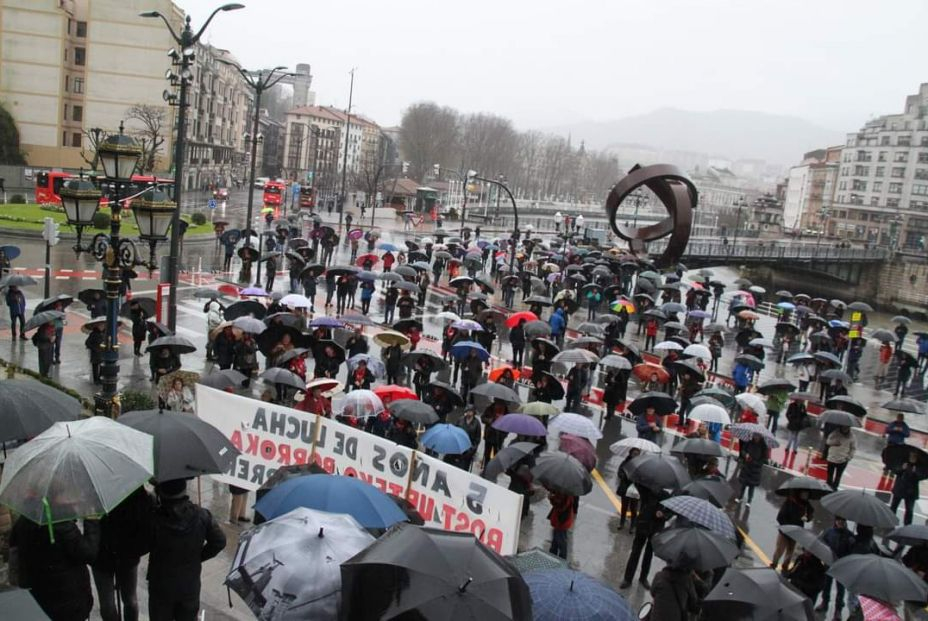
392,357
795,511
577,379
797,419
59,324
245,359
561,517
648,424
493,438
897,431
223,347
213,310
138,316
471,373
905,486
840,540
97,305
44,341
309,290
901,330
841,448
904,373
615,390
629,502
16,302
776,399
180,538
650,522
753,456
469,423
52,563
674,594
361,378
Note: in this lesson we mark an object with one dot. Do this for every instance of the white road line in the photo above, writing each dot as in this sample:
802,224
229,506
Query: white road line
62,278
88,277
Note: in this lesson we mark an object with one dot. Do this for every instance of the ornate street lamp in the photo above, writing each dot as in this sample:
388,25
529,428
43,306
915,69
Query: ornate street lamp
154,213
81,200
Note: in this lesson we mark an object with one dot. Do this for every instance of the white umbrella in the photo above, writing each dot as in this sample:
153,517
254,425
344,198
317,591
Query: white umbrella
576,356
249,324
616,362
697,350
359,403
290,567
623,447
709,413
448,315
753,402
668,346
576,425
295,300
76,469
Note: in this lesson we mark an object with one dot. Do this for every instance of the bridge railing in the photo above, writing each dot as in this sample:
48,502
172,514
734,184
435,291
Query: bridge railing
777,252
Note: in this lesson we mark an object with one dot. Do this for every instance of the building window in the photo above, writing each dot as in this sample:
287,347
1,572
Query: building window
877,186
924,141
67,83
881,157
898,172
81,29
65,116
895,188
874,201
901,156
892,203
880,171
904,141
920,189
76,139
64,139
859,186
80,56
78,85
884,141
861,171
77,113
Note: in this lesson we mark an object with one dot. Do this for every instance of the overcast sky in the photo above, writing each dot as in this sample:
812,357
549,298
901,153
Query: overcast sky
545,62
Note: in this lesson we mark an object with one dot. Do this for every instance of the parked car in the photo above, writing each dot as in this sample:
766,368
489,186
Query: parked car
221,194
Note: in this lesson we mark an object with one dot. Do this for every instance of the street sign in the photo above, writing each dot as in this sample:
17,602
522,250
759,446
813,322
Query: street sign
296,189
211,203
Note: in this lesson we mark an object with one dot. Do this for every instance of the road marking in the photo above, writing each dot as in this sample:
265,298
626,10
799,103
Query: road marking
62,278
754,547
88,277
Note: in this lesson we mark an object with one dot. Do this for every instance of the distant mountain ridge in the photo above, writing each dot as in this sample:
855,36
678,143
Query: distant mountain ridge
734,134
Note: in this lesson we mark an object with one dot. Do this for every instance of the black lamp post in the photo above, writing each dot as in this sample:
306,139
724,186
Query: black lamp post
741,205
154,212
186,40
515,214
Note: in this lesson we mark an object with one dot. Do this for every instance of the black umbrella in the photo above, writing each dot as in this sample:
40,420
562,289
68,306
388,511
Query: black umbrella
284,318
539,300
563,473
27,408
414,411
657,471
776,384
756,593
835,374
405,325
268,339
860,507
244,308
691,367
554,387
412,358
176,344
809,541
848,404
147,304
910,534
660,401
185,446
328,349
449,391
714,489
313,270
815,488
879,577
698,446
536,329
49,303
750,361
506,458
277,375
40,319
424,573
152,324
897,455
494,391
221,380
693,547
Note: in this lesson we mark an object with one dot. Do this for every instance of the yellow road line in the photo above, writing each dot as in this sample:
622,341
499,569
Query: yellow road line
610,495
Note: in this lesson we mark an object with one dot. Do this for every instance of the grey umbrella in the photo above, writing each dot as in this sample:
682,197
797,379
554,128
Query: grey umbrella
413,411
75,470
16,280
534,329
221,380
698,446
176,343
759,593
810,542
884,336
860,306
656,471
860,507
40,319
838,417
910,534
249,324
492,391
185,446
905,405
815,487
714,489
563,473
848,404
27,408
505,459
276,375
879,577
835,374
692,547
290,567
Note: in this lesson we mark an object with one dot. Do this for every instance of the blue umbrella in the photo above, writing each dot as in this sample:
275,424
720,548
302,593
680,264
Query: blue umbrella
467,324
11,252
446,439
463,349
698,314
567,595
335,494
837,323
786,305
387,246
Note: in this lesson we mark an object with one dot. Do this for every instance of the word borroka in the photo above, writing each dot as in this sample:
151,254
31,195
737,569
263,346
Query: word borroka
270,437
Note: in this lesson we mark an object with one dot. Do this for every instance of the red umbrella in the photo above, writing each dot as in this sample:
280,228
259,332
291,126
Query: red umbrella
514,318
496,373
580,449
645,370
229,290
391,392
364,258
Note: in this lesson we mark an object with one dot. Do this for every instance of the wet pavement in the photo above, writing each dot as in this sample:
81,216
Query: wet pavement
595,545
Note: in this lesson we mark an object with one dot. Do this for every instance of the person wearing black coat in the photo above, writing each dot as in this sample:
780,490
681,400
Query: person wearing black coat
138,316
650,522
56,573
423,375
753,456
808,575
224,348
180,537
795,511
94,344
905,488
469,423
471,373
615,391
796,421
356,344
97,306
674,595
392,360
162,362
245,359
629,504
117,563
403,434
517,340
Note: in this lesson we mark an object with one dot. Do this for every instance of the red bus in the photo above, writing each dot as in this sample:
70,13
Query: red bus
273,193
307,197
47,186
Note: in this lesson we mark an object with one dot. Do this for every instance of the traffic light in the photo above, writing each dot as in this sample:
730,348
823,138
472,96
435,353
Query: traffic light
50,231
436,170
405,167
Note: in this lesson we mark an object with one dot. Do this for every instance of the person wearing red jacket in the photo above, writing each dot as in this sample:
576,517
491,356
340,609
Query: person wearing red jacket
562,514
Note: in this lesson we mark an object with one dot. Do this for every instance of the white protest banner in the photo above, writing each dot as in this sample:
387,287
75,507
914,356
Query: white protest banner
268,435
453,499
342,449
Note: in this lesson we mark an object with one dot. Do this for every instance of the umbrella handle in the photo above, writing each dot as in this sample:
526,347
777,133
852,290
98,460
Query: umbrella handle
47,510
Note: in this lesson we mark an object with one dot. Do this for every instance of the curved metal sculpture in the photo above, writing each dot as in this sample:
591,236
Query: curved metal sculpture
679,196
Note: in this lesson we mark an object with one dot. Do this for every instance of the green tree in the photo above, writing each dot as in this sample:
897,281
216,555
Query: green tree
10,153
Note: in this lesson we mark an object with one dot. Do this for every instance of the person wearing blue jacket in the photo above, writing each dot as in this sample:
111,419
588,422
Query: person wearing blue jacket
741,375
648,425
558,323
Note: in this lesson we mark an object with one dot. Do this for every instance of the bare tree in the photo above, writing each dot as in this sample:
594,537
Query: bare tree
93,137
488,144
428,136
150,134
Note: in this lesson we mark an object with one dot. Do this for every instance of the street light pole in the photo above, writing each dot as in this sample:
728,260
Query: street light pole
515,215
741,205
341,199
186,40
